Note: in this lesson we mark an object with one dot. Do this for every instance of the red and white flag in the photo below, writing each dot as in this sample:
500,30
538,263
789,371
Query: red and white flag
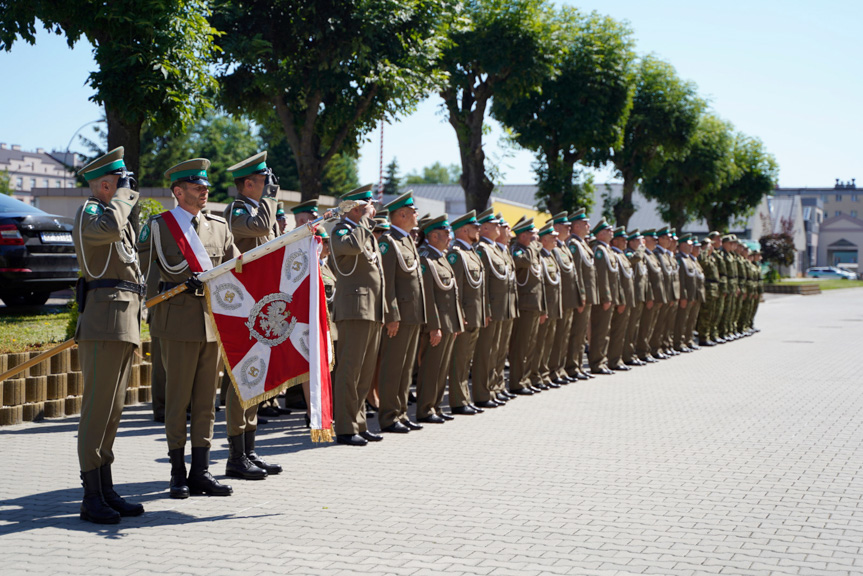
271,318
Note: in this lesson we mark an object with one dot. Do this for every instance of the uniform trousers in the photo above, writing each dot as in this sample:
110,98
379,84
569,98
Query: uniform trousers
577,341
357,356
560,348
239,420
635,315
157,378
398,357
600,327
649,318
544,343
459,372
522,341
191,368
617,336
680,324
483,372
658,335
689,334
432,374
106,366
506,327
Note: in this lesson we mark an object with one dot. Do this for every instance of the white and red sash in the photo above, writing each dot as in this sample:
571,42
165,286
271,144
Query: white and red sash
179,224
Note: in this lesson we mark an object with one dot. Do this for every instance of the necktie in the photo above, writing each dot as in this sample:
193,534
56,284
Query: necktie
195,223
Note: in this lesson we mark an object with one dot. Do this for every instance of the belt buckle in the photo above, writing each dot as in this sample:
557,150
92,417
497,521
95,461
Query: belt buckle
199,292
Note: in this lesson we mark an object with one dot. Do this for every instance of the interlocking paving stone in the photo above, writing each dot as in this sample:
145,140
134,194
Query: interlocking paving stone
739,459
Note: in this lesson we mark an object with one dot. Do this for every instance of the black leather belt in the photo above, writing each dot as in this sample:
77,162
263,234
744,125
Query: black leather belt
709,281
124,285
171,285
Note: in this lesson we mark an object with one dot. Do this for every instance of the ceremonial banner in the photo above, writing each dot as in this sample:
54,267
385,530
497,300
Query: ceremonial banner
271,319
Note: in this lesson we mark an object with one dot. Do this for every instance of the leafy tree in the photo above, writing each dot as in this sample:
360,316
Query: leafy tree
664,115
778,249
330,69
753,174
151,57
392,181
5,183
580,109
683,182
437,173
496,44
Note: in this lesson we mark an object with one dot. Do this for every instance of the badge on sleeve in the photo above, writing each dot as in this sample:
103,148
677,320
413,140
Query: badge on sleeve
94,209
422,269
598,254
452,258
342,232
240,210
518,252
384,247
145,233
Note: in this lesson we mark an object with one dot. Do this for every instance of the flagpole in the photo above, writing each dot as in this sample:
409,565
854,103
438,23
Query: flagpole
256,253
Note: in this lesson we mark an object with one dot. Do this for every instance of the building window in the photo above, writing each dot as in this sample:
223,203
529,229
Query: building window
46,183
19,183
854,197
854,213
825,198
838,213
57,184
839,197
32,183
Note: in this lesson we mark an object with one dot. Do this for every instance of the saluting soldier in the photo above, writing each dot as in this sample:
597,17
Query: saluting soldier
496,276
360,310
641,290
620,318
608,288
252,218
585,268
470,281
531,308
502,242
688,291
572,295
108,329
445,321
651,313
406,313
551,277
183,242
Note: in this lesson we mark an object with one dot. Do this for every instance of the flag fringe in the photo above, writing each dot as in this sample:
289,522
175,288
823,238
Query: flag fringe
326,435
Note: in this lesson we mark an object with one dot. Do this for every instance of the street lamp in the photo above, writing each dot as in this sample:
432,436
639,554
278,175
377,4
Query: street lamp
66,155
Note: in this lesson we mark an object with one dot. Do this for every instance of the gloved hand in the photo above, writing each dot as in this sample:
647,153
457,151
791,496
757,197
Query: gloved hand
194,284
127,180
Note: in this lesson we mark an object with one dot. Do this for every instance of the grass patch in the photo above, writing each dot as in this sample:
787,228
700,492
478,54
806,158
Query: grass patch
28,328
826,283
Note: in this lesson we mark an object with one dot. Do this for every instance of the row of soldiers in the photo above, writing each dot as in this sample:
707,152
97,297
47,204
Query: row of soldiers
454,302
406,298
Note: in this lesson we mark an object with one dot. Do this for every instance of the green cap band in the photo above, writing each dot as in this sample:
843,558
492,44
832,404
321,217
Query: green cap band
188,174
364,195
110,167
249,170
442,225
457,225
409,201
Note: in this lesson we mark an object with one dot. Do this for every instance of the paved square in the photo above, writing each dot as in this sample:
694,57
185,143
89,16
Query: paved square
740,459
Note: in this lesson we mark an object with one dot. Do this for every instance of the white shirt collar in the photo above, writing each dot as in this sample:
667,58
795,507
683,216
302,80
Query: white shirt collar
435,249
466,245
399,229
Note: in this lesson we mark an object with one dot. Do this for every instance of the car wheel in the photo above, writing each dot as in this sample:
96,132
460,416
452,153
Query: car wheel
26,298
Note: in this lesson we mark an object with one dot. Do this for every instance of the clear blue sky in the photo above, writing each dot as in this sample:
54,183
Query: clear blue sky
788,72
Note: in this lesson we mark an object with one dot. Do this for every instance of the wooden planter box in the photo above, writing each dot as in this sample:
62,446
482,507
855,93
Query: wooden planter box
805,289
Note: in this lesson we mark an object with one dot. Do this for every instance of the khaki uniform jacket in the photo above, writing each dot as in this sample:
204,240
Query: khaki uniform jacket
512,293
607,275
700,291
441,292
730,270
572,291
104,238
497,279
184,317
252,226
669,274
585,268
686,273
403,283
356,260
528,276
551,278
469,276
711,274
640,281
626,277
655,277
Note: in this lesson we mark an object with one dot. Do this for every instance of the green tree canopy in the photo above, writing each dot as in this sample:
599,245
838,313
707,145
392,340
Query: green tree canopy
683,182
330,69
664,115
496,44
437,173
578,110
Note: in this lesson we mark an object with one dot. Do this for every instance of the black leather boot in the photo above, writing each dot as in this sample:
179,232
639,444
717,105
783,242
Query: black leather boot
240,466
200,479
257,460
113,499
179,486
93,507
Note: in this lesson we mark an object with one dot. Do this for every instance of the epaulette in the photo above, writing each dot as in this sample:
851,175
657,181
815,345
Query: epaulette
215,218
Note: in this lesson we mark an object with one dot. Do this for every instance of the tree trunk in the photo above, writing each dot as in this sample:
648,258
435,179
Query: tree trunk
127,135
624,209
467,123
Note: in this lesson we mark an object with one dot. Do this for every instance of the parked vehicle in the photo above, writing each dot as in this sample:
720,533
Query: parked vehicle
37,255
830,272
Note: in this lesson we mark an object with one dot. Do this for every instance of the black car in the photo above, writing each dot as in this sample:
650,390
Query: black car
37,255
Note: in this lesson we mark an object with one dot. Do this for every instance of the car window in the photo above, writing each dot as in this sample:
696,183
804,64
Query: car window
9,204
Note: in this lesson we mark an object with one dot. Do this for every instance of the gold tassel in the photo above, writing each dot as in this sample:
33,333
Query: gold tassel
322,435
238,267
